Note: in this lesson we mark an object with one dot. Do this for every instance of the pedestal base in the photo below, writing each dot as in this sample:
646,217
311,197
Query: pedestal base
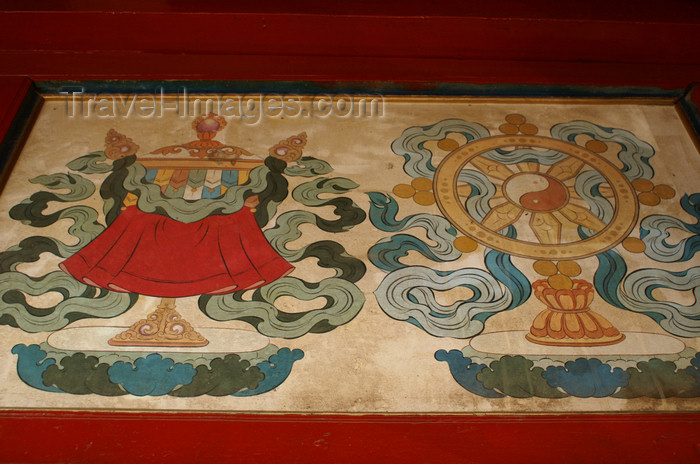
573,328
164,327
603,341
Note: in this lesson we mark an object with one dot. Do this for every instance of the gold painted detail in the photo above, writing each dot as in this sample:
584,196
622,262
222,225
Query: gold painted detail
546,227
420,189
422,184
560,282
545,268
502,216
650,194
491,168
634,245
404,191
569,268
583,217
211,164
130,200
566,169
596,146
465,244
448,144
529,166
163,327
558,275
206,147
516,124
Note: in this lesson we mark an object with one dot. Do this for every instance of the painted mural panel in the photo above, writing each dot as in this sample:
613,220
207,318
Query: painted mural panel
370,255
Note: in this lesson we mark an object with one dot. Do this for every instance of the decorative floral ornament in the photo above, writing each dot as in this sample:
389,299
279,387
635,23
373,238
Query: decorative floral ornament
205,146
208,126
119,145
290,149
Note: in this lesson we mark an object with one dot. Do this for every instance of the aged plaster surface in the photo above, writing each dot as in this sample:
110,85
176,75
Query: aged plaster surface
376,361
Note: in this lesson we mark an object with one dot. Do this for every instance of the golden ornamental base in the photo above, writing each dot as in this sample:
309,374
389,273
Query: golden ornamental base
568,319
558,340
163,327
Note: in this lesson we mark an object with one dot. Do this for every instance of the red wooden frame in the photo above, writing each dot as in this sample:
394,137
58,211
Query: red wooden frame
623,43
413,45
41,437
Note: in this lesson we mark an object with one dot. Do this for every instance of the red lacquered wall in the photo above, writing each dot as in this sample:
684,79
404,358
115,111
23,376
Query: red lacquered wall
394,46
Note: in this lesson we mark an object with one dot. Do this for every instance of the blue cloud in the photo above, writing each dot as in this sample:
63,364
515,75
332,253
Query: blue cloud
694,369
29,367
276,371
464,371
152,376
586,378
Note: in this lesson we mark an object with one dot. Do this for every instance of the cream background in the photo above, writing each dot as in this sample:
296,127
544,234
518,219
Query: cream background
373,364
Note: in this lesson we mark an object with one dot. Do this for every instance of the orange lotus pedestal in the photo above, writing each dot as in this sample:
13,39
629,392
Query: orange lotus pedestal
568,319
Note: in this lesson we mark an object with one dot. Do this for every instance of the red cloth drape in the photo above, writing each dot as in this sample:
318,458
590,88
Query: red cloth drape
154,255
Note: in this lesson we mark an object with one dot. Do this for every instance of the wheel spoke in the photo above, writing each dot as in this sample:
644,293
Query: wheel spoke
582,217
492,168
566,169
529,166
502,216
546,227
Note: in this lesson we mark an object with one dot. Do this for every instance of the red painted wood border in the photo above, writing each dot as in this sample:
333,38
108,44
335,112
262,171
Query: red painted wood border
13,90
601,43
37,437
